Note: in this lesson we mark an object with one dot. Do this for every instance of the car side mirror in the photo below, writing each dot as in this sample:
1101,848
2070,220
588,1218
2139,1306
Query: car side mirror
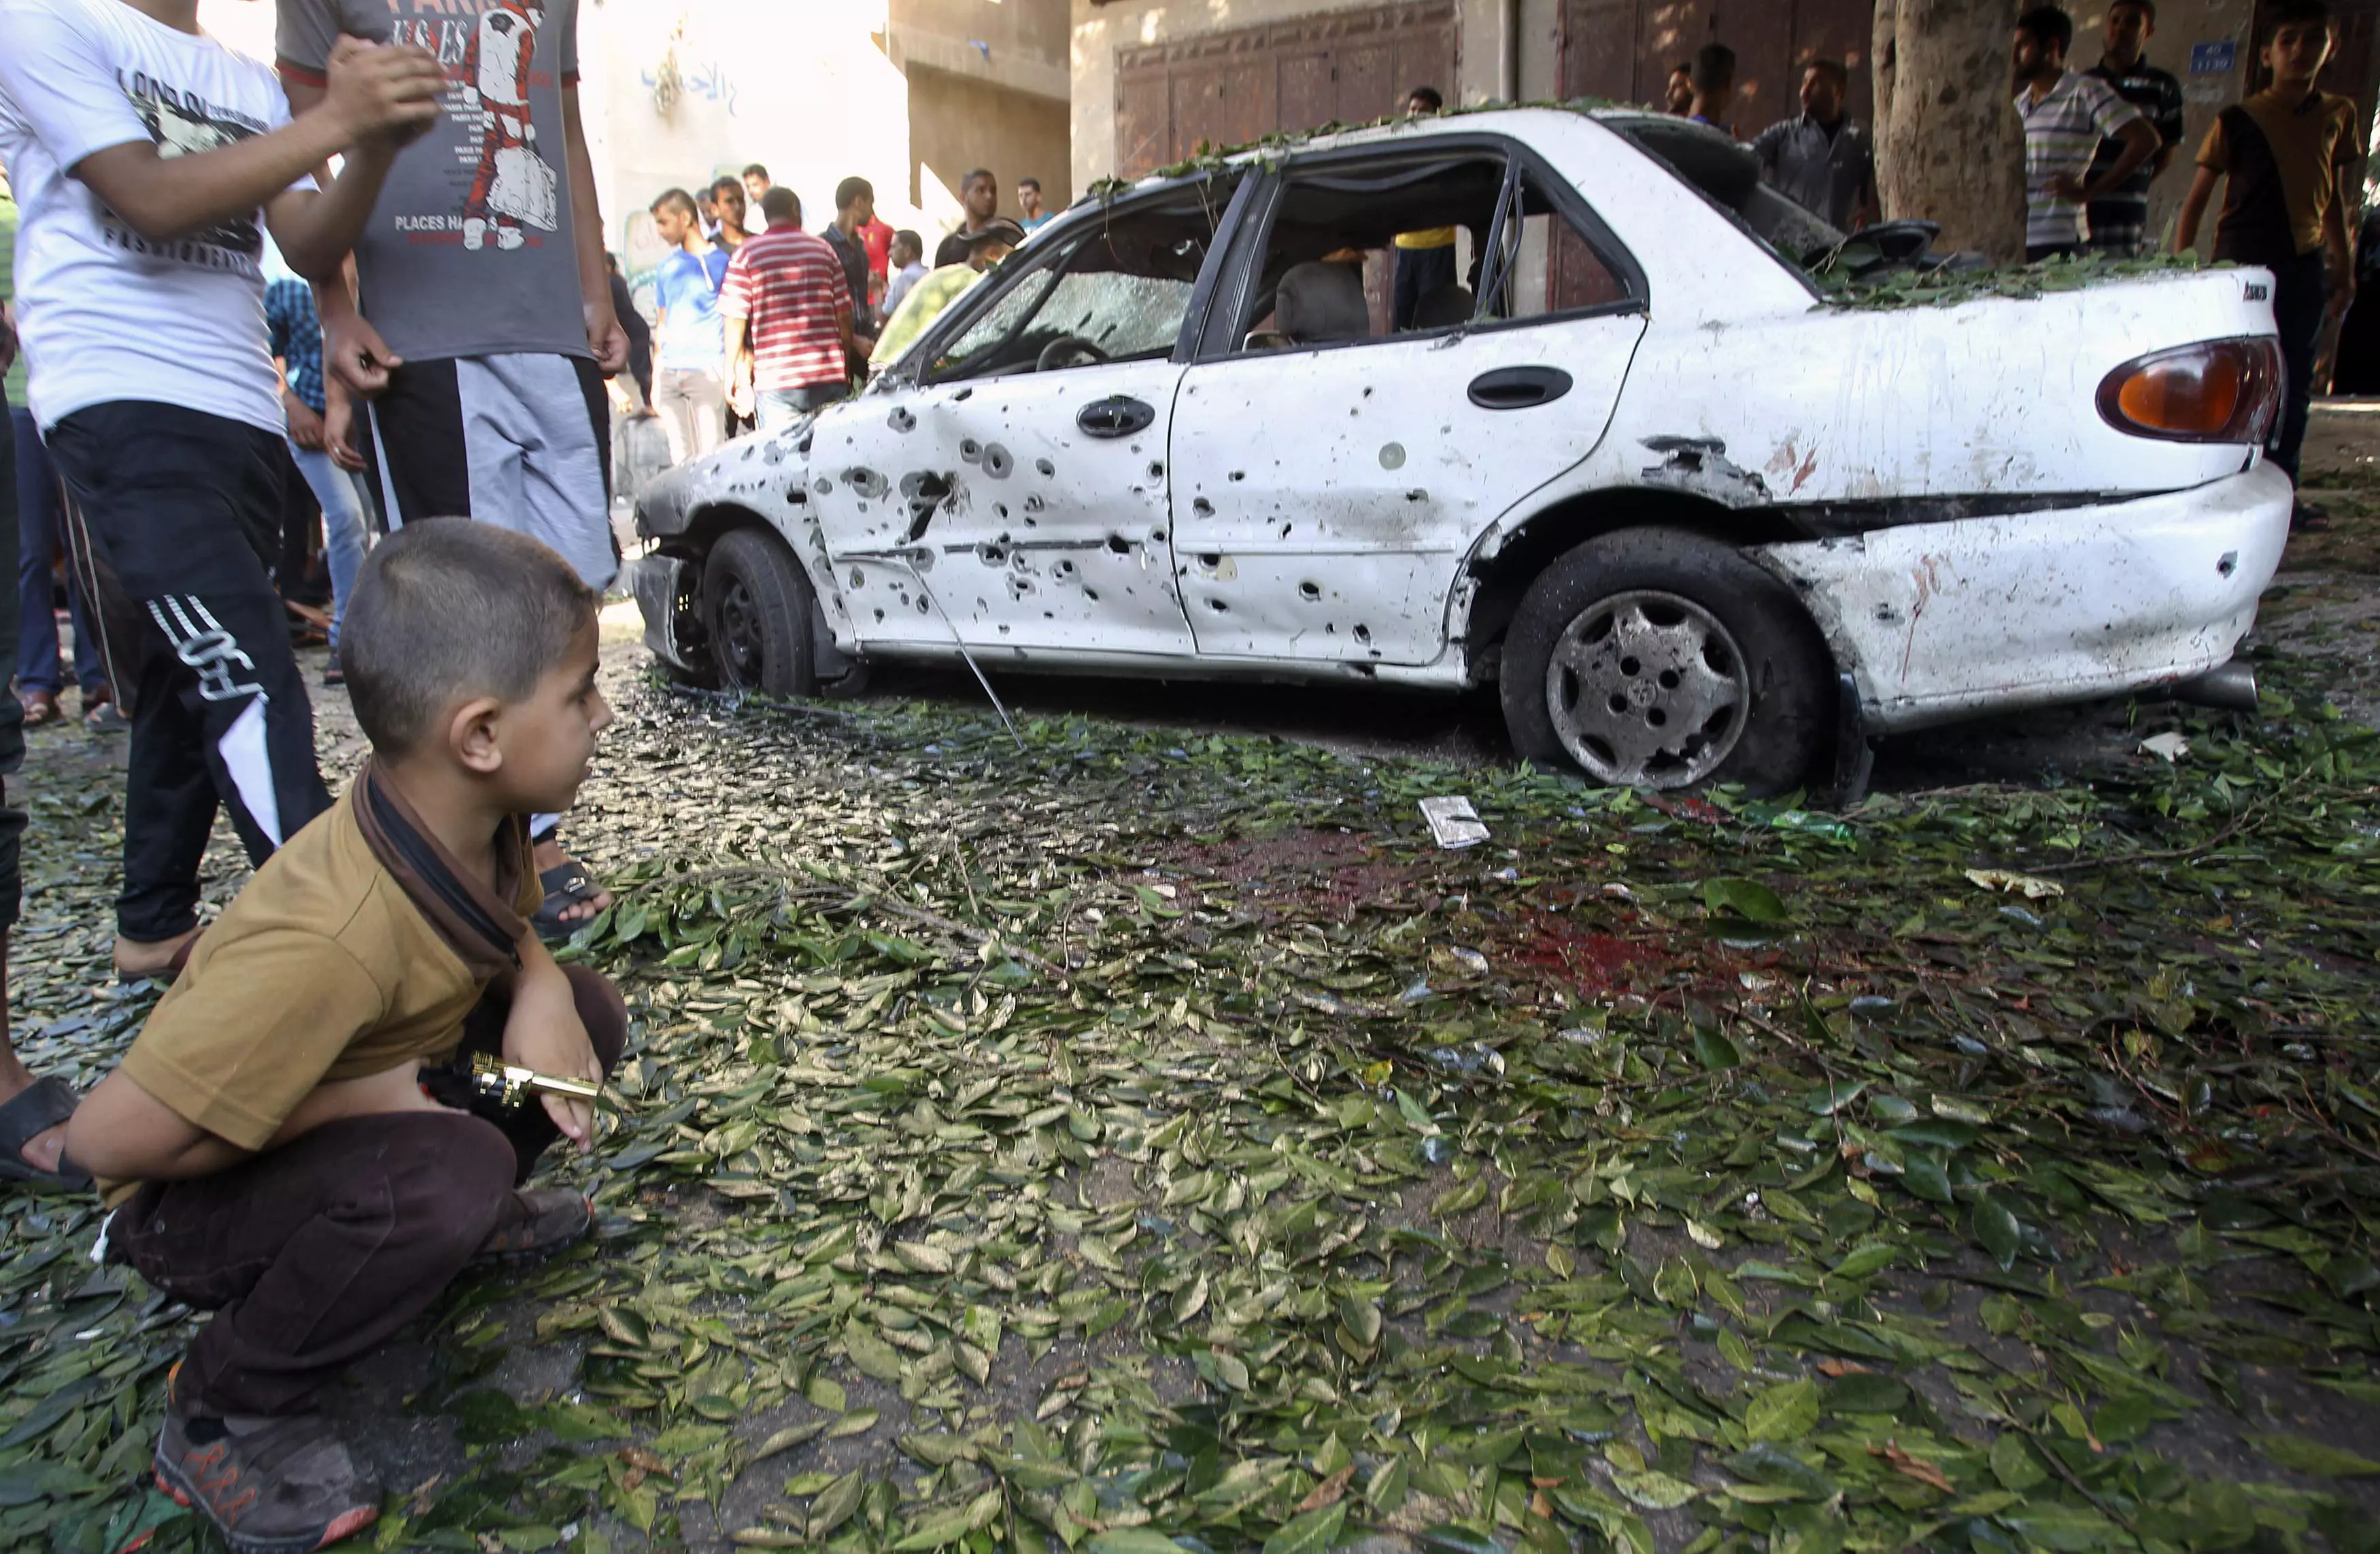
1267,340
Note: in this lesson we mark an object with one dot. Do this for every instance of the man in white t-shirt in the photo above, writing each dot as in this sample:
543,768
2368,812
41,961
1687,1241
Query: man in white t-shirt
146,159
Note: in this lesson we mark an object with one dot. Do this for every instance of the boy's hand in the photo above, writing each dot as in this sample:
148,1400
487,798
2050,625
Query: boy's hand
305,425
386,91
544,1033
339,427
355,353
606,338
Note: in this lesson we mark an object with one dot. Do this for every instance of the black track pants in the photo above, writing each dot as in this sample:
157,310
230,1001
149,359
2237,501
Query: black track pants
175,515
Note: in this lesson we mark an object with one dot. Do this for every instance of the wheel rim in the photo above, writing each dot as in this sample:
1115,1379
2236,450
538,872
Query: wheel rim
1648,690
736,635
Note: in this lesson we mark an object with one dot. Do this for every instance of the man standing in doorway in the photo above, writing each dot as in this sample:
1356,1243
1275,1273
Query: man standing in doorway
854,206
2292,164
488,330
979,195
1822,160
1028,200
2066,116
789,310
2120,222
1424,258
689,364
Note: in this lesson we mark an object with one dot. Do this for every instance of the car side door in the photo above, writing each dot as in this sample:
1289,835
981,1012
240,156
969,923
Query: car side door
1012,491
1332,466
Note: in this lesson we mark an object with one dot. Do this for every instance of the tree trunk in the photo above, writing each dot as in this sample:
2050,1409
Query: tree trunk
1949,147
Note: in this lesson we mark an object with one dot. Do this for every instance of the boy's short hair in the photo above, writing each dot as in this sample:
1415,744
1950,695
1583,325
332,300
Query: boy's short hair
2281,13
755,171
2047,24
1834,70
446,609
1429,97
917,245
2146,7
1033,184
723,184
675,200
1713,67
851,188
782,205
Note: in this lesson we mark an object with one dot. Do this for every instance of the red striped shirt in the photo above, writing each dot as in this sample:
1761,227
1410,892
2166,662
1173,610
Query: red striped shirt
790,285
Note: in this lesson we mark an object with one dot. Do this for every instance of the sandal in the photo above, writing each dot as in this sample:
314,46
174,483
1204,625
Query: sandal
566,884
42,708
40,1106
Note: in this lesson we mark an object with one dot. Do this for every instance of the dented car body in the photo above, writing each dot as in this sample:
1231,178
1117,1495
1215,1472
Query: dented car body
1620,457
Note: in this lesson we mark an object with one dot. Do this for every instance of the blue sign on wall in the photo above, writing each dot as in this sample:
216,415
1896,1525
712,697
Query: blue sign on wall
2217,58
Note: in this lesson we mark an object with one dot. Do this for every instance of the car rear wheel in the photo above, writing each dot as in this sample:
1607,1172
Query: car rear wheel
756,610
1653,659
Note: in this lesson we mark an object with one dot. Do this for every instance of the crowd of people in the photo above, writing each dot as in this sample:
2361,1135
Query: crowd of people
758,319
2289,158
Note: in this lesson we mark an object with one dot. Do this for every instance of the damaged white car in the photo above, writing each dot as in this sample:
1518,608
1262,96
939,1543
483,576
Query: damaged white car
1626,461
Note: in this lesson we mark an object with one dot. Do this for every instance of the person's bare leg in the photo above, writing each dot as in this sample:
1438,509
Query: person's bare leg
137,960
42,1151
550,855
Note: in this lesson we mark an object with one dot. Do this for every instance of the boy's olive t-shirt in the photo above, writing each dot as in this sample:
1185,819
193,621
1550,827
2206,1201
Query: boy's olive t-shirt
322,970
2281,161
470,250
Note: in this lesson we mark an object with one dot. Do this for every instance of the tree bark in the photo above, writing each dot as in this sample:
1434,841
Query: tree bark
1949,149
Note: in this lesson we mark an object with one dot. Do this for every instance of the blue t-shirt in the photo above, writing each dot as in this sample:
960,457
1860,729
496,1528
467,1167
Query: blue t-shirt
691,337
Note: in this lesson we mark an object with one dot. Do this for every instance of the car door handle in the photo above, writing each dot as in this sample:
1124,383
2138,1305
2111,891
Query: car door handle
1116,415
1517,388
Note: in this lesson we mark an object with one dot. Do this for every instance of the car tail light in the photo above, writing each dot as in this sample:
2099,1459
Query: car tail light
2218,391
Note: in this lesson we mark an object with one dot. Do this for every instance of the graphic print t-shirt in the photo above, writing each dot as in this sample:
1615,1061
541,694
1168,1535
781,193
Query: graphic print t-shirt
103,312
469,251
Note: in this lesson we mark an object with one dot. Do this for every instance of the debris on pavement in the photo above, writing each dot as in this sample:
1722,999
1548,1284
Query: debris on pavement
1454,823
2167,746
2009,884
1149,1144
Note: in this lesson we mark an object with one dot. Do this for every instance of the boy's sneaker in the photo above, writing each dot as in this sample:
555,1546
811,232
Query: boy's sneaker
282,1485
536,1223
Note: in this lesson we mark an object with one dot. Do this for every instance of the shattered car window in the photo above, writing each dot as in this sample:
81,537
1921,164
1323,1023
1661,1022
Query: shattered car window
1118,290
1729,175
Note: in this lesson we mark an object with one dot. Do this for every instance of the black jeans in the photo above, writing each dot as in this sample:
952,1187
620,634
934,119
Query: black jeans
2299,290
1419,272
175,515
2034,253
312,1255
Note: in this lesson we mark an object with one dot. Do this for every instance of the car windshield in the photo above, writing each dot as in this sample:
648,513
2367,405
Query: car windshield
1729,175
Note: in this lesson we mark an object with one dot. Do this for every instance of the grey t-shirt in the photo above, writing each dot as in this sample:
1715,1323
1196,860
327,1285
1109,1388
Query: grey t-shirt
470,250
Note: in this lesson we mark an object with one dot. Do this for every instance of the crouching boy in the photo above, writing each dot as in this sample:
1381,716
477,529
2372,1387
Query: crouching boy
271,1140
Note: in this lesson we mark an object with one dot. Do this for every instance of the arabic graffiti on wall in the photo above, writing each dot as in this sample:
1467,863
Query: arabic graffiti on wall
708,79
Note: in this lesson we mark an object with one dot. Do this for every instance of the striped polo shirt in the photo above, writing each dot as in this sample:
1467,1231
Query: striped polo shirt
790,285
2061,134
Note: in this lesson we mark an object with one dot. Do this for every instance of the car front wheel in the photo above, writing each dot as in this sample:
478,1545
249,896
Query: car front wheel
756,611
1655,659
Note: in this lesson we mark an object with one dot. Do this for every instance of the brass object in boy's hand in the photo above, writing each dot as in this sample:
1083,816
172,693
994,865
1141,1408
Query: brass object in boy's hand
510,1086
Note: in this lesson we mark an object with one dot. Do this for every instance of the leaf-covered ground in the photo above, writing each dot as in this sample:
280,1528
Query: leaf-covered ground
1151,1144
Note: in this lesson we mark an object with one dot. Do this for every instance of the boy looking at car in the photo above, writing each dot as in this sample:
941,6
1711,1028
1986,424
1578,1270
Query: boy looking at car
2290,159
271,1144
